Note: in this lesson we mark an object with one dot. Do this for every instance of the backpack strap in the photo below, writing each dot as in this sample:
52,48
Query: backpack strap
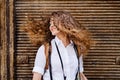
76,51
46,54
50,66
48,49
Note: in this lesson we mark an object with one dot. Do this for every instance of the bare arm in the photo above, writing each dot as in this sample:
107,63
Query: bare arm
36,76
83,77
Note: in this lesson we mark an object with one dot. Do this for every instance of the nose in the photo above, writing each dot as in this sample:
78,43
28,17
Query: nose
51,27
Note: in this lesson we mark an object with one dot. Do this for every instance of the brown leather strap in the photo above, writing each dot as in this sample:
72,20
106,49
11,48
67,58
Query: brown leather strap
47,49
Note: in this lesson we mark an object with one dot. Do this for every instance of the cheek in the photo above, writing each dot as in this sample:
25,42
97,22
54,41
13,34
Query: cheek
56,31
52,28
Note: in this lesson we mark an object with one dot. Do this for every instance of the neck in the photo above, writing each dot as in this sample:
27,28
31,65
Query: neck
64,38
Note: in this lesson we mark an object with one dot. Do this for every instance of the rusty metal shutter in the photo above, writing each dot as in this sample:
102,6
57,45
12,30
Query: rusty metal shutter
102,18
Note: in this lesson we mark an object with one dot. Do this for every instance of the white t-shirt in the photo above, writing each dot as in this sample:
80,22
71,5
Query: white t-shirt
69,59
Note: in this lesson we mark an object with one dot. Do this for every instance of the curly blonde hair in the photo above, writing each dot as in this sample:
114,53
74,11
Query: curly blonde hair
77,33
38,30
39,33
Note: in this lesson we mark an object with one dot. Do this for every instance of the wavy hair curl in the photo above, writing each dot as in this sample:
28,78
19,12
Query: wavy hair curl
39,33
77,33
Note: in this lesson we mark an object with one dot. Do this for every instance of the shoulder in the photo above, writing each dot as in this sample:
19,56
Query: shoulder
41,48
52,40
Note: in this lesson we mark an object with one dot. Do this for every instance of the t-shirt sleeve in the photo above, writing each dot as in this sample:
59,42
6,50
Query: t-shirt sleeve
81,63
40,61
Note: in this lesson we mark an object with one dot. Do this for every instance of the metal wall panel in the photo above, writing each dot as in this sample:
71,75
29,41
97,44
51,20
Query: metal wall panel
101,17
3,41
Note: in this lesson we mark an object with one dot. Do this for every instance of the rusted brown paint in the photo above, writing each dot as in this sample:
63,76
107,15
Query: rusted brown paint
3,54
12,39
6,39
0,26
118,60
22,59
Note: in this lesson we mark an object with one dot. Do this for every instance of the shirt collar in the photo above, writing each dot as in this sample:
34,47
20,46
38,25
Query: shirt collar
58,41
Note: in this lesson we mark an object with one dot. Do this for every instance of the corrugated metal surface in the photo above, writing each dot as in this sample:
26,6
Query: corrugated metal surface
102,18
0,38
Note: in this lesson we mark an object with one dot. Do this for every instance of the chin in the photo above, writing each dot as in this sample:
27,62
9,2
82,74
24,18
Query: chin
53,34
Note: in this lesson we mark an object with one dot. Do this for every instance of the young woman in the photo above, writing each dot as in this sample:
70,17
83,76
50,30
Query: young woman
71,41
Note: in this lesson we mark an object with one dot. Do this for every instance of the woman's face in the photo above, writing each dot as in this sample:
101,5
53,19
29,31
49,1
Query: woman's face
53,28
